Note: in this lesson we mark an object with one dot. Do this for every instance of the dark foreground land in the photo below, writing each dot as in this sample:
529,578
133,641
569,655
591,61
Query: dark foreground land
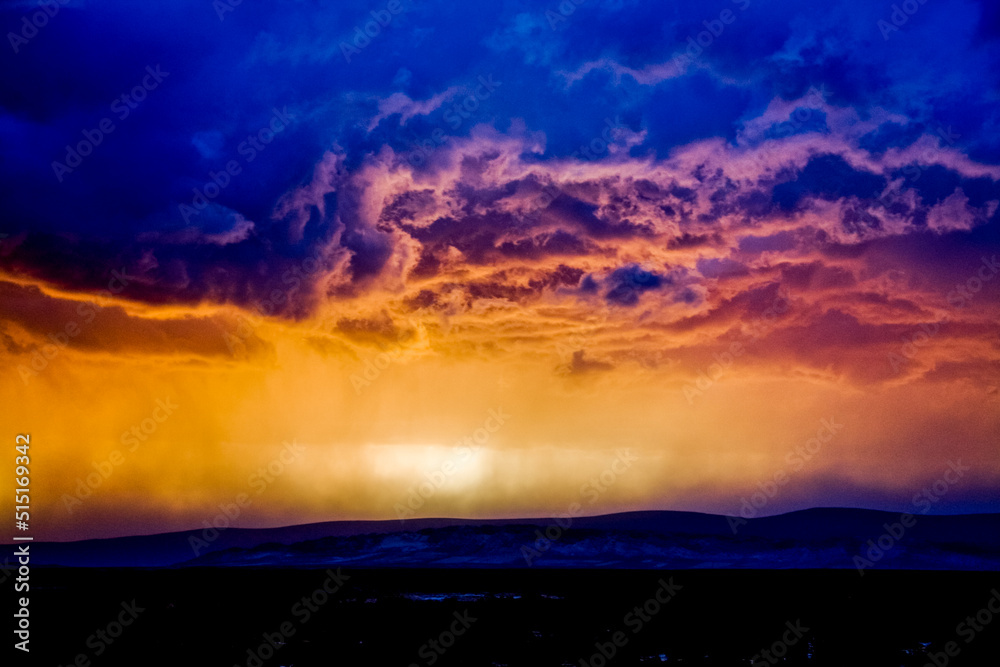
253,617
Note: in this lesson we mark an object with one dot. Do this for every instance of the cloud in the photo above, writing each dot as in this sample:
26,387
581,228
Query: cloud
802,188
626,284
400,103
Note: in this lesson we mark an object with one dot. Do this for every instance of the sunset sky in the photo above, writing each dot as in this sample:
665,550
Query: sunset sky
497,246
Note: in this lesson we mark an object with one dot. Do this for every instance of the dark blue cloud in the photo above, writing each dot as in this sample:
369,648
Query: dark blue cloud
627,283
228,74
829,177
811,121
891,135
934,183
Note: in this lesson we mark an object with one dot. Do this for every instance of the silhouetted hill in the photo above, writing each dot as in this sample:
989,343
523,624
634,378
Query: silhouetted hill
815,538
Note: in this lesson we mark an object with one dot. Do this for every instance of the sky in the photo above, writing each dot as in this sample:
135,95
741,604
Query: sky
351,260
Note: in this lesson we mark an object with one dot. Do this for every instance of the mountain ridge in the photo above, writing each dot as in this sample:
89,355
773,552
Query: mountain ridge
964,541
